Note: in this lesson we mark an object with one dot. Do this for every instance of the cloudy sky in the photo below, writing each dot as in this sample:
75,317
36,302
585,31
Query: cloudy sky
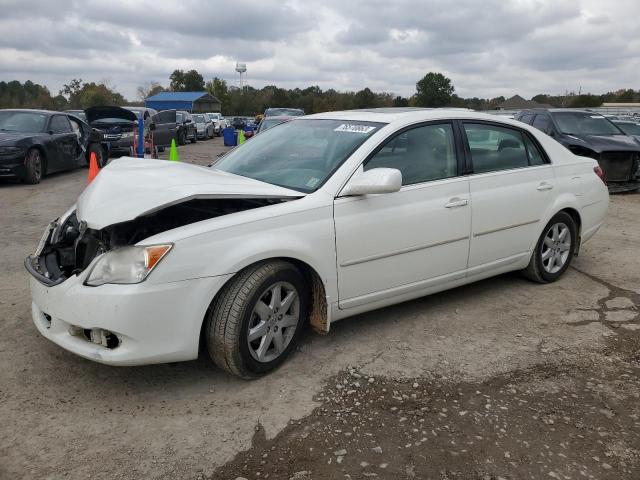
487,47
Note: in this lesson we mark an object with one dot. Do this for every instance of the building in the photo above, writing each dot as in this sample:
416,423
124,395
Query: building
195,102
518,103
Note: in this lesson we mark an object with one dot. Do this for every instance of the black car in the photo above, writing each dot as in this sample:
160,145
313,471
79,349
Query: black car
238,123
590,134
116,124
186,129
34,143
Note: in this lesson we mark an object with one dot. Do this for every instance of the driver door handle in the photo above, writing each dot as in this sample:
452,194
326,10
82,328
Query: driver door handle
456,202
544,186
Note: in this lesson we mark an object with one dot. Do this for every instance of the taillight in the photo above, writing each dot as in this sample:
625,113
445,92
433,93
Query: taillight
600,174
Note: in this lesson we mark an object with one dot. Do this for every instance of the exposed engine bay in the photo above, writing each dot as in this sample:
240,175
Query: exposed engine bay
69,247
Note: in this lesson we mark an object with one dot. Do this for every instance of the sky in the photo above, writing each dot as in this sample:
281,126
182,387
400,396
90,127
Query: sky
487,47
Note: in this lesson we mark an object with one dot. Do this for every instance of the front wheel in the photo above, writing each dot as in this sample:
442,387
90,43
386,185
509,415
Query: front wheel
554,250
255,321
195,137
34,167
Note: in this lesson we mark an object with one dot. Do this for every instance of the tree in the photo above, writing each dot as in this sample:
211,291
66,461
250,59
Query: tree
218,88
365,99
190,81
148,90
434,90
71,92
400,102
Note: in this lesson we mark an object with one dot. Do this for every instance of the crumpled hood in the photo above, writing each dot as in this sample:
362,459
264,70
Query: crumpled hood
602,143
97,113
130,187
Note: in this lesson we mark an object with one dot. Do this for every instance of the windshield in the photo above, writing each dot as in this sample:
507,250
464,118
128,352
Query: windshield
198,118
266,124
22,121
300,155
180,117
630,128
580,123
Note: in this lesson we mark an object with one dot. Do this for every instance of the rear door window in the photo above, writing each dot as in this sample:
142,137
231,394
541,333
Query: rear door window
60,124
494,148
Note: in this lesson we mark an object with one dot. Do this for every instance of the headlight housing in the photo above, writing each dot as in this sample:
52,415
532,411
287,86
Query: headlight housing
127,135
126,265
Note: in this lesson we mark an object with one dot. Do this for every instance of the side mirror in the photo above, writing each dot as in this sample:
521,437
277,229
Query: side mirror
188,120
374,181
152,126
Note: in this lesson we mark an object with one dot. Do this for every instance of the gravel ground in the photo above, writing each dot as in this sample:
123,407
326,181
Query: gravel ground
499,379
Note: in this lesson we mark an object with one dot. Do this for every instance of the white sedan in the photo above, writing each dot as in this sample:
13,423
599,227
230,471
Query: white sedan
314,220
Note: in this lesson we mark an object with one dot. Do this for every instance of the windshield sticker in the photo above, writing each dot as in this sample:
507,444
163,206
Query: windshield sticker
352,128
313,182
597,116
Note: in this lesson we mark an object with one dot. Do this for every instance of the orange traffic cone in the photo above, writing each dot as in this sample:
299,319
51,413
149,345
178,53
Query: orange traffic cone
93,167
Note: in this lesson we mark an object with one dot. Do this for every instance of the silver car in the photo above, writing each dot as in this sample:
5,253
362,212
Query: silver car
204,125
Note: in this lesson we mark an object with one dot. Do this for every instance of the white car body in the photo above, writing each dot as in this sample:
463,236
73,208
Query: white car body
218,122
366,251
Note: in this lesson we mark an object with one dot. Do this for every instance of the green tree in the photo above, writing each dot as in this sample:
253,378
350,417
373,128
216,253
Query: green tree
190,81
434,90
365,99
218,88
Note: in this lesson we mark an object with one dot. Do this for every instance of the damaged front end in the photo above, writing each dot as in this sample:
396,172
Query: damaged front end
68,246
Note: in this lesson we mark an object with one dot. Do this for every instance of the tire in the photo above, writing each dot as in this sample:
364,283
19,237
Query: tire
234,312
554,250
35,167
182,139
195,137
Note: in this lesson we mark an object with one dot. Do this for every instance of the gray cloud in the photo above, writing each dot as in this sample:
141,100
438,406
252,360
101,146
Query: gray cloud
487,48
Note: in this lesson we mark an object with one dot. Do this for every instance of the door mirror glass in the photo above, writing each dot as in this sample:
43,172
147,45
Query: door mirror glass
374,181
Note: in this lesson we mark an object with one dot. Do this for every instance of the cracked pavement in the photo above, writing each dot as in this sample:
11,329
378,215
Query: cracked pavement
65,417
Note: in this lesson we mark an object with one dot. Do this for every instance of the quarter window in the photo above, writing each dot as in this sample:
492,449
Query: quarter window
496,148
421,154
541,122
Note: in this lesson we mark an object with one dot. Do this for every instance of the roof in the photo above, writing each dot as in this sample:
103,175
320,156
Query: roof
390,115
517,102
180,97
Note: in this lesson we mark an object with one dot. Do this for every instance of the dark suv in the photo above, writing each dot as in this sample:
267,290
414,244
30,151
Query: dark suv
186,129
590,134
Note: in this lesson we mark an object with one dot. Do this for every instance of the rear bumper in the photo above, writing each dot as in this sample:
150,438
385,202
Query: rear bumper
154,323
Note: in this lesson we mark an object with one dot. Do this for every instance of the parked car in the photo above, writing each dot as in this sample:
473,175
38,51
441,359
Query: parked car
319,219
590,134
34,143
270,122
204,126
78,113
117,125
186,128
238,123
630,127
218,123
290,112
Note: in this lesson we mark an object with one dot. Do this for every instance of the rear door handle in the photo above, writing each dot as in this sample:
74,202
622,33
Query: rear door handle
456,202
544,186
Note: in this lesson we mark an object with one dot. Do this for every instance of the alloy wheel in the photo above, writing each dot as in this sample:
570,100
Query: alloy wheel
556,247
273,321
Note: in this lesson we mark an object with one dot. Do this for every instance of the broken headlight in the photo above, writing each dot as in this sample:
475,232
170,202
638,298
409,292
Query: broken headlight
126,265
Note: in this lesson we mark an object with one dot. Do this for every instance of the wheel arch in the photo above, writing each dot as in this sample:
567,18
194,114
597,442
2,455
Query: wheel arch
43,152
573,213
318,308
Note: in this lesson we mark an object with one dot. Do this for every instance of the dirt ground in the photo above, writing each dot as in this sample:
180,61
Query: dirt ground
502,379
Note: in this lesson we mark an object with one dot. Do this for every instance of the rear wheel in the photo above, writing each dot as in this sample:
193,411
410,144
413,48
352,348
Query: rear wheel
182,139
255,321
35,166
554,250
195,137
